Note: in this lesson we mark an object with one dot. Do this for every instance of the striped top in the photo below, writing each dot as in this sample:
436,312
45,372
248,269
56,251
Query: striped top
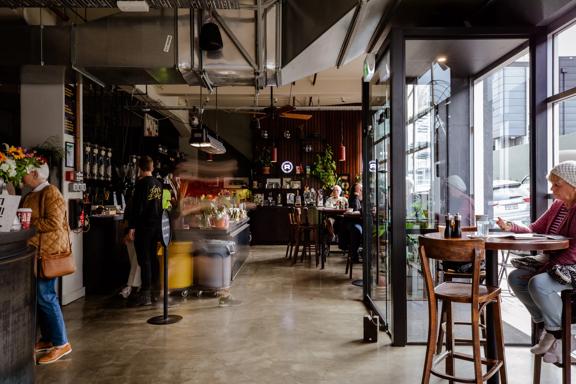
558,221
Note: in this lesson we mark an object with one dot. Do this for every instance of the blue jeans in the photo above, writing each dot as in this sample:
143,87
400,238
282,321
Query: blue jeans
50,317
355,240
540,295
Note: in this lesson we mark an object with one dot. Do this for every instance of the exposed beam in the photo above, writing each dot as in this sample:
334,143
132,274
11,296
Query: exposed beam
352,29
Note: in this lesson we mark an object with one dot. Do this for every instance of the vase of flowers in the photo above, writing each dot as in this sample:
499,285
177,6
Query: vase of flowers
15,163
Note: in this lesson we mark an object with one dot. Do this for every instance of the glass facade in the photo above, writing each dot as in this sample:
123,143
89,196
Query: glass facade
564,111
466,151
378,189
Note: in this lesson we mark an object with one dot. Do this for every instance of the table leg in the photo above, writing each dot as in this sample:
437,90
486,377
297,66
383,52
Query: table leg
491,280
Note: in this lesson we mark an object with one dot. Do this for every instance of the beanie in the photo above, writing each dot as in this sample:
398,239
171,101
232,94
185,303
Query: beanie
566,170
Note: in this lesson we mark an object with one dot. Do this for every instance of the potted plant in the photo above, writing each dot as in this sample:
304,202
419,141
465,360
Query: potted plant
266,161
325,169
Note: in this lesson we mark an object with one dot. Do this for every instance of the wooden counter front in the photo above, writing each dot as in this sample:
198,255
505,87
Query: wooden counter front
18,307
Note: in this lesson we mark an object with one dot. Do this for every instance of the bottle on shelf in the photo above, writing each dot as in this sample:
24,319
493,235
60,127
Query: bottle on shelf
87,161
94,162
298,201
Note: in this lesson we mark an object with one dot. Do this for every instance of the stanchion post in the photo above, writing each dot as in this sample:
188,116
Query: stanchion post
165,319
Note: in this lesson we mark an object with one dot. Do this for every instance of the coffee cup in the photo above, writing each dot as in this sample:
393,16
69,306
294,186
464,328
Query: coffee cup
24,215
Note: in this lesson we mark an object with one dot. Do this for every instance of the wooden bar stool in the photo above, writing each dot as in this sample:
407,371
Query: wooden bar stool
292,229
305,235
446,274
568,318
460,250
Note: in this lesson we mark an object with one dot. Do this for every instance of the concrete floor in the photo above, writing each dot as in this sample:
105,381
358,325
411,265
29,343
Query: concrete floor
295,324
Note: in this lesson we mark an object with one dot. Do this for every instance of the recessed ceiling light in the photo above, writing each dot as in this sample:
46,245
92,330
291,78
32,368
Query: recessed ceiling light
441,59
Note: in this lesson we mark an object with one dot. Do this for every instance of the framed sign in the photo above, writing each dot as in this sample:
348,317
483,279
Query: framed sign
8,207
295,184
235,182
286,182
69,154
165,228
150,126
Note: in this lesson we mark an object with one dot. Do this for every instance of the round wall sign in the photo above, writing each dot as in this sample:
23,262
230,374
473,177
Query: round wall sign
372,166
287,167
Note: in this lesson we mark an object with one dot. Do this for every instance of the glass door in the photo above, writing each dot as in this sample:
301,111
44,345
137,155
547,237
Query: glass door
378,143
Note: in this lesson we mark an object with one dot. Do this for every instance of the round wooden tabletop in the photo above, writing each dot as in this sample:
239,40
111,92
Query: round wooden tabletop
502,243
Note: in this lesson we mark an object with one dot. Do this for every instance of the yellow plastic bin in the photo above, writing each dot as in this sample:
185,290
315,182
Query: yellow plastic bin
180,265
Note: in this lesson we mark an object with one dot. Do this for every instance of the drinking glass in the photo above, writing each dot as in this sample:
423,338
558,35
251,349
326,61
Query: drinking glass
482,227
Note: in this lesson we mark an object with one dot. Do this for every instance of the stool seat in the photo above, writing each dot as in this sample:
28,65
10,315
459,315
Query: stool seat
460,292
568,318
474,294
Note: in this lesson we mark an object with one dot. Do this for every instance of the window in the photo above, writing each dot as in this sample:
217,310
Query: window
564,110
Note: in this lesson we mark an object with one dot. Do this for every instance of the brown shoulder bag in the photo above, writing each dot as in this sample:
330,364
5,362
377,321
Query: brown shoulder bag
55,264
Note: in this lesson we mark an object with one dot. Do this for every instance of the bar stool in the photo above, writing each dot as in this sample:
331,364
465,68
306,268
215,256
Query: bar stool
305,235
450,275
568,318
460,250
292,229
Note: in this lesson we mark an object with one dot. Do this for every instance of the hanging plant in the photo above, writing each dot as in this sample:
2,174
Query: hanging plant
325,168
51,151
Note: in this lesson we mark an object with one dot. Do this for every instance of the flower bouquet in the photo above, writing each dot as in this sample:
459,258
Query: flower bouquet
16,162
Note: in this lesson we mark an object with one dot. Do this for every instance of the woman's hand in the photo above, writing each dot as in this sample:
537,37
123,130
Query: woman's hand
503,224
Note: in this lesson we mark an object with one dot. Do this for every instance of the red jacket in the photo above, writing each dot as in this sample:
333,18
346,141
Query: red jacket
568,229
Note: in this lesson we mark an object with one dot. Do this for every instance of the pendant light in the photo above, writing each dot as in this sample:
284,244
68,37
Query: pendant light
342,148
274,155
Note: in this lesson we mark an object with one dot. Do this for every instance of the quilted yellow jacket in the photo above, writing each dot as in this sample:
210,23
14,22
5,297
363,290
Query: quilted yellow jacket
50,224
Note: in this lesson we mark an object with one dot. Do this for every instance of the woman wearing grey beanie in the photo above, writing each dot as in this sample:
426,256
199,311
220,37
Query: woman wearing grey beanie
539,291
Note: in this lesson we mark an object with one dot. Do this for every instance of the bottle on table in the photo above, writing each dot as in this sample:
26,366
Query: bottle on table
448,228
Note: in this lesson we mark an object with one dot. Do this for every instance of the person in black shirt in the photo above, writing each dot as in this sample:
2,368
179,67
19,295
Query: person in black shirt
355,229
144,224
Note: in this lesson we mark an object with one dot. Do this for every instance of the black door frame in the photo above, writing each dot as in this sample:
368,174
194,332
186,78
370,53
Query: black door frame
395,44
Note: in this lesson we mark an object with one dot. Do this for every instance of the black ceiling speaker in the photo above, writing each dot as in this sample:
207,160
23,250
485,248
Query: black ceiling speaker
210,38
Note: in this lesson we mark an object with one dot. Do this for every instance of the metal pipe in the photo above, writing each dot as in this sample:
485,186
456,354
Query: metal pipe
257,109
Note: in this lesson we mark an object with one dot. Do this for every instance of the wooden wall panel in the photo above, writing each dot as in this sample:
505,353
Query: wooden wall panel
323,129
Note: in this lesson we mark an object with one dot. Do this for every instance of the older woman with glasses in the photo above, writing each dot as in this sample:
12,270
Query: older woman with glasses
539,290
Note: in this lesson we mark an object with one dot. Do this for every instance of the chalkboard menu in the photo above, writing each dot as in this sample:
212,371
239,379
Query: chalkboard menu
70,109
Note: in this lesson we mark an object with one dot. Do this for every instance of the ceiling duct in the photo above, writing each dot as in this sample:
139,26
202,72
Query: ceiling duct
198,4
161,46
249,53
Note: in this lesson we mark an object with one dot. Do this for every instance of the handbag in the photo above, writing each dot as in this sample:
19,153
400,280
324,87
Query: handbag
55,264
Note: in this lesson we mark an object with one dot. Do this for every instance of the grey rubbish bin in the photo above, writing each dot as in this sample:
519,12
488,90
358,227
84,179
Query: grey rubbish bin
213,264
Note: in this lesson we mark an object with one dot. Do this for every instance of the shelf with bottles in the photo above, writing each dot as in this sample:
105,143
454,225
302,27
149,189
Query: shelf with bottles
97,163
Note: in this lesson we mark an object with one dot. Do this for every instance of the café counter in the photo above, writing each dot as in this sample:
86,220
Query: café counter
106,264
18,303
